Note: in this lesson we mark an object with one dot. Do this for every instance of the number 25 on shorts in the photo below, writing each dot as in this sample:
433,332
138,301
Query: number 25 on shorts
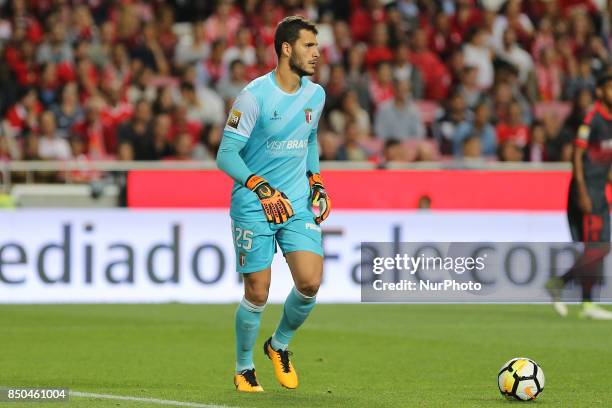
243,238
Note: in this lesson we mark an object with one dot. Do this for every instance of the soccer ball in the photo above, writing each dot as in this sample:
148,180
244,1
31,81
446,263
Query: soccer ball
520,378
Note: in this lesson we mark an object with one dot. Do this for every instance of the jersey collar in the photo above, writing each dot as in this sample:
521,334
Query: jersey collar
272,76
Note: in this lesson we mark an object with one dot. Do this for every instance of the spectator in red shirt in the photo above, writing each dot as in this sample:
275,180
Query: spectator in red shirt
263,62
441,38
182,124
83,171
87,78
83,27
378,50
549,75
117,68
581,30
364,15
20,58
466,17
129,23
435,74
92,130
22,19
23,116
223,23
267,16
115,111
213,68
514,129
381,84
544,38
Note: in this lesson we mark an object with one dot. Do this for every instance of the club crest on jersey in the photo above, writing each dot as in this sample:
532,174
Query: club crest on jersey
242,259
308,113
276,116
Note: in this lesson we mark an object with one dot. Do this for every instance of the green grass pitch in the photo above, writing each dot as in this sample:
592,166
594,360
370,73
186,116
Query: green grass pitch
346,355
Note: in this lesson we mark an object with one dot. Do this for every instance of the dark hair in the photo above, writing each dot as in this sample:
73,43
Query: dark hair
392,142
24,91
604,78
288,30
235,62
187,86
537,123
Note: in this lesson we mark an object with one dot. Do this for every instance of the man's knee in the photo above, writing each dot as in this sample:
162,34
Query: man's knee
309,288
257,293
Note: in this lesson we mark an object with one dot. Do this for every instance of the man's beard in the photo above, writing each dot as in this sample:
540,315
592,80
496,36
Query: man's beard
295,67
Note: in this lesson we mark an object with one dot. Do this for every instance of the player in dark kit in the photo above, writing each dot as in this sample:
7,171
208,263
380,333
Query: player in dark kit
587,209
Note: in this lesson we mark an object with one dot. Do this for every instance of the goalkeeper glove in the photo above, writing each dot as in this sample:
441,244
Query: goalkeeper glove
276,205
319,196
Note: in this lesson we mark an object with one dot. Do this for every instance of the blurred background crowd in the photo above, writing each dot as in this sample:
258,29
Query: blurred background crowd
406,80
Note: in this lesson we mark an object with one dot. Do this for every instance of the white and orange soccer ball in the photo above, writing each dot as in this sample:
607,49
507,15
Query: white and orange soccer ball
521,379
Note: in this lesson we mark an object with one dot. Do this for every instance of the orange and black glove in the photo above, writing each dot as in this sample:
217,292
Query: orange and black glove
276,205
319,197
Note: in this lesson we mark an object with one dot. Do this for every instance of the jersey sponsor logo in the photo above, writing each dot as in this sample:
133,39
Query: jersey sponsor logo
234,118
277,145
308,114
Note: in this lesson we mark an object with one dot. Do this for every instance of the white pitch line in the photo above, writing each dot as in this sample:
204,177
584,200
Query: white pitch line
141,399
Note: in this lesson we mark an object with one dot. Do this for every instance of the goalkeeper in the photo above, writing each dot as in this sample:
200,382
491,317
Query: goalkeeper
269,148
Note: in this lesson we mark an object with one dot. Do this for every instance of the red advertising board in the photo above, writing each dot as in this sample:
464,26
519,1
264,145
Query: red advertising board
370,189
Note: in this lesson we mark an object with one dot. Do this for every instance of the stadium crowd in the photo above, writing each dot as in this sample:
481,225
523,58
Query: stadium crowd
406,80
